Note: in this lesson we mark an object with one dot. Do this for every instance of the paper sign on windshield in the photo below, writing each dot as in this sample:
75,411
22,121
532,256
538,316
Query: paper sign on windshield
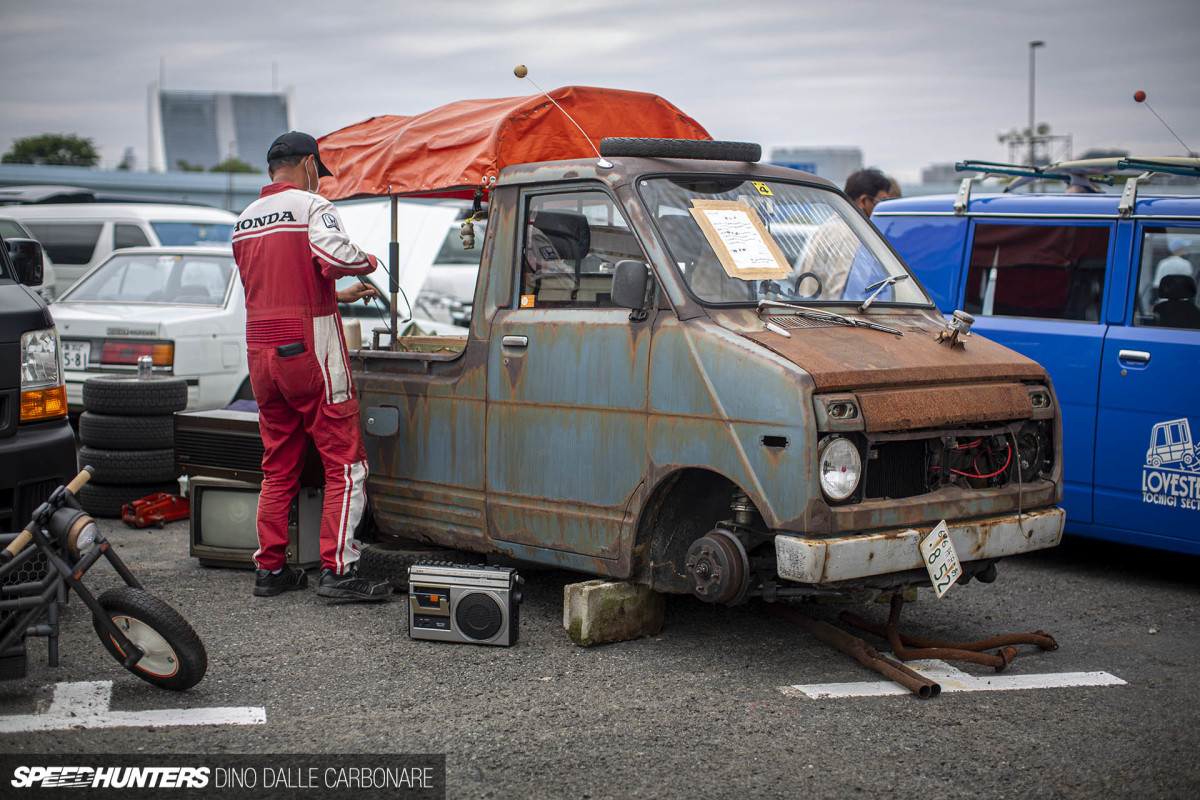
740,239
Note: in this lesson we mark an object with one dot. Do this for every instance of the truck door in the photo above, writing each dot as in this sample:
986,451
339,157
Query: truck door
1147,453
567,387
1039,287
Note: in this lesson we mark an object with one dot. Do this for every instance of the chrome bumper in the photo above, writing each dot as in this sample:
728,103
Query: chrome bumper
809,560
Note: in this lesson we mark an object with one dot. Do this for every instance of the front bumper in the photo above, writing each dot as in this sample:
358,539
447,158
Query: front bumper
865,555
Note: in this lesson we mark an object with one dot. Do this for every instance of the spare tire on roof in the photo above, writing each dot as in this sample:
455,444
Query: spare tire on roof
703,149
133,396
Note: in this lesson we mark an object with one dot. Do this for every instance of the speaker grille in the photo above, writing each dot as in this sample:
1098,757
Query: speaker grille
478,616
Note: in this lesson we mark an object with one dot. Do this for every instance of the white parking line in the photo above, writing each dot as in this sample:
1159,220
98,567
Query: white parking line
86,705
954,680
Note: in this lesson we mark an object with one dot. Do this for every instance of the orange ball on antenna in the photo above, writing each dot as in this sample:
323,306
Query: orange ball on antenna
1139,96
520,71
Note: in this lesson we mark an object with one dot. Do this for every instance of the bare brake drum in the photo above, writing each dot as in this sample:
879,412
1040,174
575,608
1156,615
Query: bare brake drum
718,568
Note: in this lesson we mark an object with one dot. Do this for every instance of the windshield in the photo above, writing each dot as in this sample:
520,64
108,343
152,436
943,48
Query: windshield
741,241
160,279
187,234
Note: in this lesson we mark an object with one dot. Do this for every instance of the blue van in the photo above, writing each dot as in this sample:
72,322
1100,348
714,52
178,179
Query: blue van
1101,290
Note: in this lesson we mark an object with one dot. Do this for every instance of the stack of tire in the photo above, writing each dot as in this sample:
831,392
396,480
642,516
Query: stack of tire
127,435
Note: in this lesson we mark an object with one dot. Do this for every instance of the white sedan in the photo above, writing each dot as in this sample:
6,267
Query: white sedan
182,306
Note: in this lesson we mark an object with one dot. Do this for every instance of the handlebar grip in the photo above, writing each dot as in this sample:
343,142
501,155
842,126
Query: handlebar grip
16,546
79,480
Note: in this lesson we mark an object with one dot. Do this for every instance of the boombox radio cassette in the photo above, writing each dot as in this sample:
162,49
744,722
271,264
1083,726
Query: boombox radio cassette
461,603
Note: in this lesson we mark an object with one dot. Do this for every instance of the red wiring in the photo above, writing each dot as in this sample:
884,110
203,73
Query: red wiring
1007,461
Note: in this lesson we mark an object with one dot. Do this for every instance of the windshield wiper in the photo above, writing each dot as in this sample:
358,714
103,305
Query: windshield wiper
821,316
879,286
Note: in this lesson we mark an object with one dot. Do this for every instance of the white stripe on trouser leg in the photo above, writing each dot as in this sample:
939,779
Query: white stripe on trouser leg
353,501
327,340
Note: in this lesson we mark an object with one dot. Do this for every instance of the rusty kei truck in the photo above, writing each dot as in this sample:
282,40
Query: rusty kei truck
707,375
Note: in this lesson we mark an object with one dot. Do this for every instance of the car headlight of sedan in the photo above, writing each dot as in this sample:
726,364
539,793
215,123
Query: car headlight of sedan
840,467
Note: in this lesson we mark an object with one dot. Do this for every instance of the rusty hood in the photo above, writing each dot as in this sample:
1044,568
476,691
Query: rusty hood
841,358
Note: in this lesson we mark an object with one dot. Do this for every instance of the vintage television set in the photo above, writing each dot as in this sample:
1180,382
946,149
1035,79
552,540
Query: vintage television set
221,453
223,529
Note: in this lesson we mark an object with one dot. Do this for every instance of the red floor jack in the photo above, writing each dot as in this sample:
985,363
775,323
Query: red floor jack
157,510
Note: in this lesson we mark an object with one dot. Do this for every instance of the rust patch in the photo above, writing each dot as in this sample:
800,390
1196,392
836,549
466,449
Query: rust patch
840,358
941,406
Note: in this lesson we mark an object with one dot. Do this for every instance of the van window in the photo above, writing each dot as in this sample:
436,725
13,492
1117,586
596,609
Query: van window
70,243
184,234
1167,278
571,244
129,236
1044,271
778,241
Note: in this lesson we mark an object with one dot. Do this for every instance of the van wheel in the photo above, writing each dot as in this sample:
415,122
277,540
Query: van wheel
390,562
135,396
126,433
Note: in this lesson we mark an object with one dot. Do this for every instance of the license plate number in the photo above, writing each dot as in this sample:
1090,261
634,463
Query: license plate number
937,551
76,355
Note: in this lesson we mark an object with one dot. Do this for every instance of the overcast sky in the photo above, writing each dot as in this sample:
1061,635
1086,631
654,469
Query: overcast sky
911,82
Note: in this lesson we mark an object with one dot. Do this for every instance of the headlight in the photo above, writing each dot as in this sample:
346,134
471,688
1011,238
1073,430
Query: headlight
840,467
40,367
74,528
83,537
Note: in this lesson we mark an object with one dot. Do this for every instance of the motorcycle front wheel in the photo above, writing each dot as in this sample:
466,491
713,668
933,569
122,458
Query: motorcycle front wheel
173,655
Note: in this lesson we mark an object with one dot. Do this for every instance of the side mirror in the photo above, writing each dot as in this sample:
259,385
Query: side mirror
26,256
631,287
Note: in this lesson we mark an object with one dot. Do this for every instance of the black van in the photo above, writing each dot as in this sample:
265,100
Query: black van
37,447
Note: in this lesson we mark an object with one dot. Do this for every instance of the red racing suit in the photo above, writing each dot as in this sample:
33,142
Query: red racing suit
291,247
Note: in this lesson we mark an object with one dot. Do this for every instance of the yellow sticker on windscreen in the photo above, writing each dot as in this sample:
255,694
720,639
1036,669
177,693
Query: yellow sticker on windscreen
763,189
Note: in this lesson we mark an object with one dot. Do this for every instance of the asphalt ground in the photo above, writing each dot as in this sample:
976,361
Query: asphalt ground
696,711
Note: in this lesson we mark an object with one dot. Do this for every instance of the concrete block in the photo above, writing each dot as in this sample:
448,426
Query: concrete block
599,612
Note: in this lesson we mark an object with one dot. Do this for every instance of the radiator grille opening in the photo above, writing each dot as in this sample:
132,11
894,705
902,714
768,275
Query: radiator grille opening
897,469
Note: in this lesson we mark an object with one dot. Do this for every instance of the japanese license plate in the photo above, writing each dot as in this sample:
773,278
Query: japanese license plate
937,551
76,355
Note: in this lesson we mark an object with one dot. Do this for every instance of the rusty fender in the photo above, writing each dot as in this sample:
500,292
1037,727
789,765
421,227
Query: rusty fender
840,558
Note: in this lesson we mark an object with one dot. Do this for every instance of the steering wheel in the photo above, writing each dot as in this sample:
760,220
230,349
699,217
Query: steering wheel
800,279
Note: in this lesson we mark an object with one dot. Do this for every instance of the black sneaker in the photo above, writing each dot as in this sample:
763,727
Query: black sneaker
268,584
348,586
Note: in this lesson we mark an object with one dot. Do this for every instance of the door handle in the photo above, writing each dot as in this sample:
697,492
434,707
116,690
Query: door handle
1134,356
515,341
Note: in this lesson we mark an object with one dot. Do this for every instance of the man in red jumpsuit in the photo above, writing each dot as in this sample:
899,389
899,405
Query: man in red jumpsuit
291,247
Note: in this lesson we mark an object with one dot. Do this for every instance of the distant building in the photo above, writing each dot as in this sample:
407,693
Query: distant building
832,163
201,129
943,173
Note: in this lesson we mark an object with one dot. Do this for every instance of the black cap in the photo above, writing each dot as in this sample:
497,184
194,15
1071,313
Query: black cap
295,143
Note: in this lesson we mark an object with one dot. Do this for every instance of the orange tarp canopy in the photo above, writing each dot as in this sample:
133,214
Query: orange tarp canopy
458,147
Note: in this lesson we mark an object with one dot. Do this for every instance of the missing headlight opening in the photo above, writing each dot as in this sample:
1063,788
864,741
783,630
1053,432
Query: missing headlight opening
974,459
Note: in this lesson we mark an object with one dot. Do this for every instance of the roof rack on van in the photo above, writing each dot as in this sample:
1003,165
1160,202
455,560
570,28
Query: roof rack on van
1077,173
1174,166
